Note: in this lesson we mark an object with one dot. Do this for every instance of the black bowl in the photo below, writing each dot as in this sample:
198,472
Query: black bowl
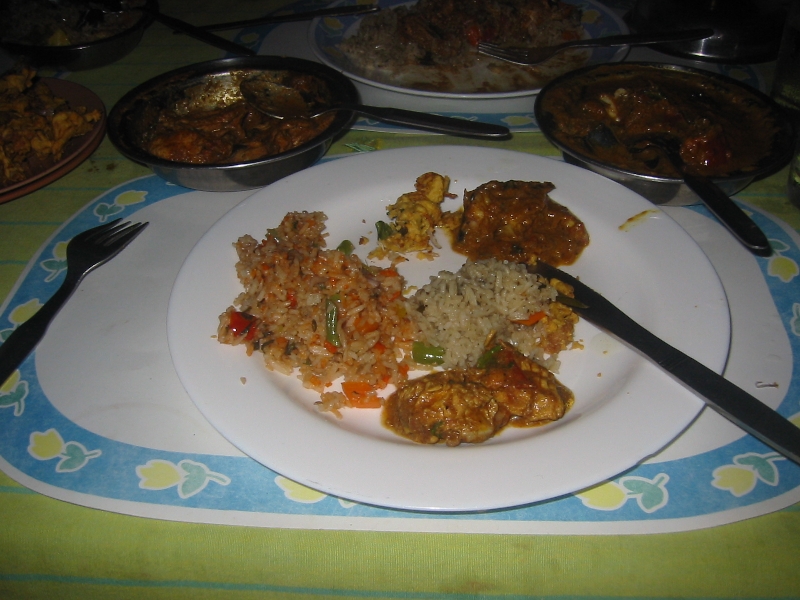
130,115
89,55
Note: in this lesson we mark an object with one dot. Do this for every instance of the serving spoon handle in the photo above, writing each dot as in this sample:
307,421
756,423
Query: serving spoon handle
730,215
428,121
284,102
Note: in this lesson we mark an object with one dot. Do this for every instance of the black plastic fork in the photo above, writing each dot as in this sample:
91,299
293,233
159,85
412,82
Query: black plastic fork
85,252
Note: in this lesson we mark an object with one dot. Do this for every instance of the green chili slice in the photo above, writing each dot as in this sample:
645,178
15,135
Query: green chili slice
384,230
347,247
487,358
332,320
426,354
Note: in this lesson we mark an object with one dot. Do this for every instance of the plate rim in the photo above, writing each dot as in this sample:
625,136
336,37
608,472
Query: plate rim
325,59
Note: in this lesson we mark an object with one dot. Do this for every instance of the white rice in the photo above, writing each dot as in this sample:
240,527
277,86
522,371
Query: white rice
459,311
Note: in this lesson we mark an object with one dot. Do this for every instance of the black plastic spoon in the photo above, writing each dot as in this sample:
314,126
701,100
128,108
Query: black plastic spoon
718,202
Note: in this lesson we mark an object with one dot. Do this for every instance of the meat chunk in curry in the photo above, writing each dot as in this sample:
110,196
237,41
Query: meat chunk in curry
517,221
473,404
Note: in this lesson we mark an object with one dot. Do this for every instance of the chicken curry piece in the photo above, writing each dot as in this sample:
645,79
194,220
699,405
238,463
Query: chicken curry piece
472,405
517,221
235,132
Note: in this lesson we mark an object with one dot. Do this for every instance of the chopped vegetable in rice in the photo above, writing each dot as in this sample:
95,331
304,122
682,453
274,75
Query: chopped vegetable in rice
322,312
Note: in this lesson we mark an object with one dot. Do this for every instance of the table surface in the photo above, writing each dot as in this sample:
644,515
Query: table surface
56,549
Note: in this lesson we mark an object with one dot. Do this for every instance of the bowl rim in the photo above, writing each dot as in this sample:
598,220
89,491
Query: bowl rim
52,53
342,121
783,144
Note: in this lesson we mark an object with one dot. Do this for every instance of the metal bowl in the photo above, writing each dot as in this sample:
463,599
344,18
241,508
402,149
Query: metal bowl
126,120
81,57
745,31
659,189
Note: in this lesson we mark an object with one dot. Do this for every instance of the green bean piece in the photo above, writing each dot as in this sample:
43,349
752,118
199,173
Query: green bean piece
426,354
332,320
347,247
487,358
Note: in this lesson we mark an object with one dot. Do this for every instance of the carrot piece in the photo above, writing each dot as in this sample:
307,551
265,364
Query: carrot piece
360,394
532,319
363,326
291,298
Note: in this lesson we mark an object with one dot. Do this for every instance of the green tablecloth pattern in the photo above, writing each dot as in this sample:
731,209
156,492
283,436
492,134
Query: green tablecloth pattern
56,550
52,549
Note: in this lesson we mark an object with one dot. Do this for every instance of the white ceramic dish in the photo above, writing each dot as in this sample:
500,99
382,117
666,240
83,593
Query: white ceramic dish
324,35
626,409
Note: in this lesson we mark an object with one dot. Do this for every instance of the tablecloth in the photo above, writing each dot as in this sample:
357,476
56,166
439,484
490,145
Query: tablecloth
53,549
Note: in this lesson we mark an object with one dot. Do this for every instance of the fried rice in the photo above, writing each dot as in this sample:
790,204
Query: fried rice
338,322
319,311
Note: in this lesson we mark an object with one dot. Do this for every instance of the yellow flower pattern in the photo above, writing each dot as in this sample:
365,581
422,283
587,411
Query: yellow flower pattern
72,456
13,393
518,120
188,476
650,494
741,477
57,263
126,198
19,315
298,492
780,266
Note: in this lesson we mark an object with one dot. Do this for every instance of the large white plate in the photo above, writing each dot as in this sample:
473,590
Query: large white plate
325,35
626,409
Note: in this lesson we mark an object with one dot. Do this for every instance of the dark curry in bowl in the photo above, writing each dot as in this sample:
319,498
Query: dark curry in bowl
209,123
628,116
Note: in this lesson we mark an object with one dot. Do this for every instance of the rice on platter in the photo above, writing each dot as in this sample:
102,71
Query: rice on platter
346,329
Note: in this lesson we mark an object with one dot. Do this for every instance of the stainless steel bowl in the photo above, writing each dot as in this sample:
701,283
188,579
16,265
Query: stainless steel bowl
658,189
81,57
126,119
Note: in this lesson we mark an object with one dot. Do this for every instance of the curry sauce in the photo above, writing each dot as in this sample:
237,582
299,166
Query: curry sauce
517,221
212,126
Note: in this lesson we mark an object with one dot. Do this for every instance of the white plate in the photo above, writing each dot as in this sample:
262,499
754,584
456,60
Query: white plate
325,34
625,410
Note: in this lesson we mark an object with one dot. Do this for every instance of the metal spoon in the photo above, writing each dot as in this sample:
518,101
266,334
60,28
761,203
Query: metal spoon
283,102
726,210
